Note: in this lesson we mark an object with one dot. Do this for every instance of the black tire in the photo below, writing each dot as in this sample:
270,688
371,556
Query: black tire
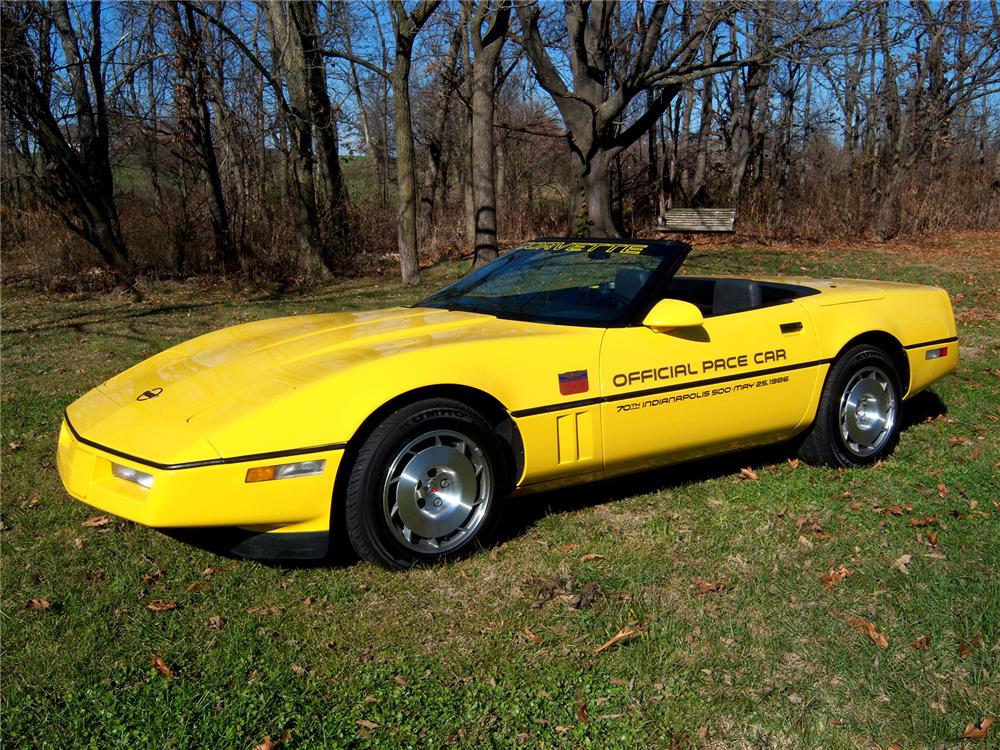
857,422
433,466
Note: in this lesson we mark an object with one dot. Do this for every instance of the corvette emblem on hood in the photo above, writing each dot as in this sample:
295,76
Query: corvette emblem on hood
151,393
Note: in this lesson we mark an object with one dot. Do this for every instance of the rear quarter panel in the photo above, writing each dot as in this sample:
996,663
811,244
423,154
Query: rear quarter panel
918,317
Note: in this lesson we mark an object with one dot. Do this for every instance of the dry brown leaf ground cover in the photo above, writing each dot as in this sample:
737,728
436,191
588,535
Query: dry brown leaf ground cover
704,606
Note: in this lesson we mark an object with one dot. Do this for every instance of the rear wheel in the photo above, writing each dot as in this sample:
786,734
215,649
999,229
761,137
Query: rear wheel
426,484
857,422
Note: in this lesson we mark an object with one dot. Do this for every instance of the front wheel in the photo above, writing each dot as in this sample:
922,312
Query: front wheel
426,484
857,422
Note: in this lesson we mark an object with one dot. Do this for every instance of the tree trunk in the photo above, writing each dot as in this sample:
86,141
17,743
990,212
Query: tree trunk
743,128
335,246
487,51
287,48
406,215
995,182
596,217
437,167
697,192
195,118
406,26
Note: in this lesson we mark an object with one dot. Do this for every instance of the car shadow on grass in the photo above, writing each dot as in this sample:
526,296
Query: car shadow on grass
523,513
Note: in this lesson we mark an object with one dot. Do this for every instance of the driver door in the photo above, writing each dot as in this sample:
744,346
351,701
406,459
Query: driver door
738,380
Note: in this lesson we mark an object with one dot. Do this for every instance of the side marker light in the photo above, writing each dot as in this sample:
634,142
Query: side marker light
286,471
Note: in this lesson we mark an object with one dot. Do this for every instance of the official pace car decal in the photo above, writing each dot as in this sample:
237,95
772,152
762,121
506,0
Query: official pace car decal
721,364
725,378
698,389
574,381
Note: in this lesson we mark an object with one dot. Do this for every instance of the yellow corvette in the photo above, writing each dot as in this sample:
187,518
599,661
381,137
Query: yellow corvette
561,362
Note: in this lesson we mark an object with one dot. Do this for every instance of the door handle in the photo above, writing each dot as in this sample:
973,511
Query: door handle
791,327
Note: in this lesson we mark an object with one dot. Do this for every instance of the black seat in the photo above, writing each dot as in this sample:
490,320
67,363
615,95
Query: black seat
735,295
628,281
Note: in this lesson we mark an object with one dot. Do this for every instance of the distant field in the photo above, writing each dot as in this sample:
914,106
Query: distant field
737,641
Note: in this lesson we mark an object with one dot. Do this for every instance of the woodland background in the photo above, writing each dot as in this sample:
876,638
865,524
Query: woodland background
294,141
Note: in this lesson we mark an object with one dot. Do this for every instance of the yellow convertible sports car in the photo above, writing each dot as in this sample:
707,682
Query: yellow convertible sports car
562,362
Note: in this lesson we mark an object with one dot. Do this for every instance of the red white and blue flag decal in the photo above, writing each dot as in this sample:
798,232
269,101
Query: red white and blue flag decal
572,382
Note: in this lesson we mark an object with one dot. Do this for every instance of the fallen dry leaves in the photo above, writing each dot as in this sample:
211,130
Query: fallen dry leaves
868,628
97,522
161,606
161,666
38,604
972,732
748,473
581,713
922,643
629,631
701,586
924,521
965,648
835,576
532,636
591,556
265,610
901,564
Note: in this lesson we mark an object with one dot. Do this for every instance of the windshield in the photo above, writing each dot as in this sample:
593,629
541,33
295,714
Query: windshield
595,283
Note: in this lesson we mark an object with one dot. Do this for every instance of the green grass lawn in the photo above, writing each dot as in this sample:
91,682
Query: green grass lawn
738,643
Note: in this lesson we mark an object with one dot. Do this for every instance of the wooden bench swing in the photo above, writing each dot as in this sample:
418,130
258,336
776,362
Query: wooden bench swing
698,220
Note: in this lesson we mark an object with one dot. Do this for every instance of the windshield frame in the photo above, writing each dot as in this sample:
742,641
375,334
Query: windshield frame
672,253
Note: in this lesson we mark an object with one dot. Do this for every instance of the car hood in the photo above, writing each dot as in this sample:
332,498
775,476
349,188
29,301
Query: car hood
264,359
291,382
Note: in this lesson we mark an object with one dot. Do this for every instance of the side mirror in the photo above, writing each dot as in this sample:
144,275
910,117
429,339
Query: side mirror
668,314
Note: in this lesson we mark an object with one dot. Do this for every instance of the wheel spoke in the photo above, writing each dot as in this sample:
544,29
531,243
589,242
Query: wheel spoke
437,491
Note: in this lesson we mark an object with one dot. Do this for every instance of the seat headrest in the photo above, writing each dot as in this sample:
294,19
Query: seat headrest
735,295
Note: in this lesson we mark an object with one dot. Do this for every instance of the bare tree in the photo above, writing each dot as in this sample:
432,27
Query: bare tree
939,85
593,105
437,164
194,121
78,175
406,25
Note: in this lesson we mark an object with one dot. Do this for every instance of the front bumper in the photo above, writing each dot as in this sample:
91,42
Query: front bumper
199,496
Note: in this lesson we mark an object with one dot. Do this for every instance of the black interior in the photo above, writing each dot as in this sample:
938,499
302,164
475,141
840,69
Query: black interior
726,296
